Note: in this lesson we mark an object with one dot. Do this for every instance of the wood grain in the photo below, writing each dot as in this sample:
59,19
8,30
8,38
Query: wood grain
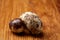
47,10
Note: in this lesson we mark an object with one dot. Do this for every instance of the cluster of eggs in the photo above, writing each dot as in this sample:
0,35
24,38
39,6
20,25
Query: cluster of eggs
28,22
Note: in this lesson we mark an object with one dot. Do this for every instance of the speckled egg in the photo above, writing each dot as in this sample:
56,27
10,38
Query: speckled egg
32,21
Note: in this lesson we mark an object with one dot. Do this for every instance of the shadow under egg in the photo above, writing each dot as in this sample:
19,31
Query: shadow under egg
41,35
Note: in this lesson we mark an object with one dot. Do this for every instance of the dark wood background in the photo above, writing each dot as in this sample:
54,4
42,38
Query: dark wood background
47,10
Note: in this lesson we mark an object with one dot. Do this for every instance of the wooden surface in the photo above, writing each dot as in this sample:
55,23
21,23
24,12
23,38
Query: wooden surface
47,10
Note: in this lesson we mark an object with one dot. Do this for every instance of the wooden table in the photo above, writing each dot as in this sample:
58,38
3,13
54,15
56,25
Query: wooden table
47,10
